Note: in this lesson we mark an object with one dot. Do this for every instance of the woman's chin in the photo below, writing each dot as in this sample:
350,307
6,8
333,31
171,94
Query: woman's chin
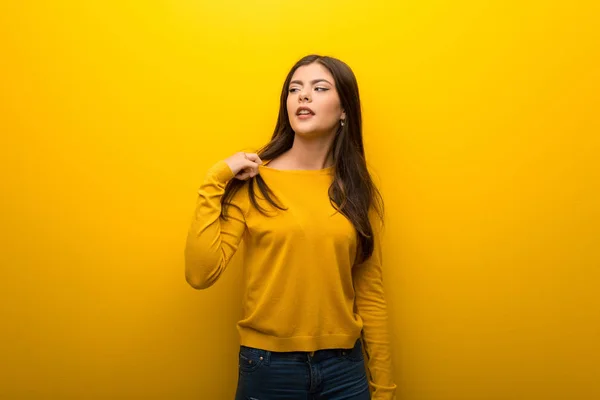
308,132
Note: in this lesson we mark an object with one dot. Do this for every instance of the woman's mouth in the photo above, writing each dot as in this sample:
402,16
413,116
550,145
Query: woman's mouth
304,112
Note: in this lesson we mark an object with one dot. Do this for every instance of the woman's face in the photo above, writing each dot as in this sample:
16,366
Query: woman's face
313,104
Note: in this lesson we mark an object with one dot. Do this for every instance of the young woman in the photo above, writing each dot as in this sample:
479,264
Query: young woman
310,217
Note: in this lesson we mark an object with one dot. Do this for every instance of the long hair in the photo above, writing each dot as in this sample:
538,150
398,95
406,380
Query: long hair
352,191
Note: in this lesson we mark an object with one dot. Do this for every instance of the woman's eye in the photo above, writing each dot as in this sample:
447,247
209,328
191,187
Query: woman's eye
319,89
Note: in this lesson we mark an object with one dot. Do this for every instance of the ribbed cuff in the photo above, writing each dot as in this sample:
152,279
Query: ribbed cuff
221,172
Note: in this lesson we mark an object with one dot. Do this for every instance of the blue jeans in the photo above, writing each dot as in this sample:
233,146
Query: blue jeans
330,374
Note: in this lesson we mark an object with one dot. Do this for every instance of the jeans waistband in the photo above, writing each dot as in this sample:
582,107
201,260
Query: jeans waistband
306,355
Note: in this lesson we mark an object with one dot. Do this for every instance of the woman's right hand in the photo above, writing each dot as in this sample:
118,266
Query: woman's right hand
244,165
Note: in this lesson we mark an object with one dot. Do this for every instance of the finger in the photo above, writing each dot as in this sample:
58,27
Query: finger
244,173
247,173
242,176
253,157
250,166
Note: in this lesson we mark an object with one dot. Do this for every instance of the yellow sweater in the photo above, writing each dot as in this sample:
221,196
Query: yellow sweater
302,291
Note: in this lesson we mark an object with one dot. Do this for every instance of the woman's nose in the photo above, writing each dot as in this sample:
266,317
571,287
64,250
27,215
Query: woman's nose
303,96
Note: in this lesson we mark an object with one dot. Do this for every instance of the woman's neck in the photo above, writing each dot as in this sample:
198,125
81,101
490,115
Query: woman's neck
308,153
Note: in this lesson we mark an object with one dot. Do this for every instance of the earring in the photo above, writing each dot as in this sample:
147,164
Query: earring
342,122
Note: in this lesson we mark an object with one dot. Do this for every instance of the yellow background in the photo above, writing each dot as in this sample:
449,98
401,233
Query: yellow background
481,122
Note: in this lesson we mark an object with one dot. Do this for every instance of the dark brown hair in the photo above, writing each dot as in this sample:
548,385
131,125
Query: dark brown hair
352,191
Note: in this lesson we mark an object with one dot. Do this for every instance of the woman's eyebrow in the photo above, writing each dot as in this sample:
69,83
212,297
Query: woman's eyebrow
312,82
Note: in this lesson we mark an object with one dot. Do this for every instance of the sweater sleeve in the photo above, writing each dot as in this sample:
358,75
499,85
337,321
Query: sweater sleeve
211,240
371,306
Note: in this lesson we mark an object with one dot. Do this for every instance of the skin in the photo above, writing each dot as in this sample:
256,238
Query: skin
312,86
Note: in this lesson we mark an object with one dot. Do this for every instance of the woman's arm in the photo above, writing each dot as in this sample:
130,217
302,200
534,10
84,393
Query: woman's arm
371,306
212,241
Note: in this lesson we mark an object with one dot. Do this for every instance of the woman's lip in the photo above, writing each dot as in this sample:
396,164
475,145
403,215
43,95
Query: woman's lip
304,116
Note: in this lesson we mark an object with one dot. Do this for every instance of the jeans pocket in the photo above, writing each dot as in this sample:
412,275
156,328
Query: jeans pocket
250,359
355,354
